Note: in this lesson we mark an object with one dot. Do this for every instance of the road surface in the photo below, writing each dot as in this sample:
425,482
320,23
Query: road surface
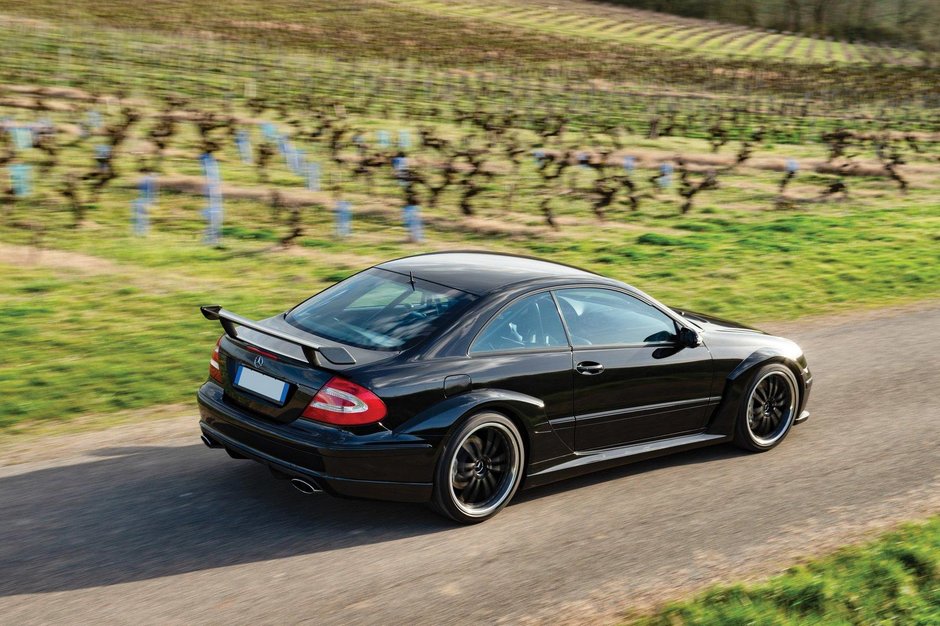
122,528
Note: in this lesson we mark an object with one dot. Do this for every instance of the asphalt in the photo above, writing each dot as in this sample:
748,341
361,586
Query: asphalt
118,530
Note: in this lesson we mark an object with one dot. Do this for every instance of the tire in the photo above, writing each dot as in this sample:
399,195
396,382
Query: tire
479,470
768,408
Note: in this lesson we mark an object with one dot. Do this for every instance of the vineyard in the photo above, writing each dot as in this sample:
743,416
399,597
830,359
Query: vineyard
253,158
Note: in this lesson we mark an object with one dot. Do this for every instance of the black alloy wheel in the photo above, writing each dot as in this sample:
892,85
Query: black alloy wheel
480,469
769,408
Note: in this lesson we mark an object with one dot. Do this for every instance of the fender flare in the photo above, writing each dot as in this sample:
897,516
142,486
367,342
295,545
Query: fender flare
736,382
441,420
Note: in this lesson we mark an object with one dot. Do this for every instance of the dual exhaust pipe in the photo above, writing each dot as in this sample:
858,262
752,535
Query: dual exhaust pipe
306,486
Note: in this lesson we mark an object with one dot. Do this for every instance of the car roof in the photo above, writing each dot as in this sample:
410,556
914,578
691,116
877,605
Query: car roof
481,272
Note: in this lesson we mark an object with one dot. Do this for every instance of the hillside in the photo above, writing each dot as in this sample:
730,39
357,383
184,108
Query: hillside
491,30
914,23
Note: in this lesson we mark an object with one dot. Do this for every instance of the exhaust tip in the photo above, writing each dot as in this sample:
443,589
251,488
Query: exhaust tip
306,487
209,443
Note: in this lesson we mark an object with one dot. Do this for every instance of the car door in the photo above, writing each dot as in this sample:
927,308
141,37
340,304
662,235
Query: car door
633,381
524,349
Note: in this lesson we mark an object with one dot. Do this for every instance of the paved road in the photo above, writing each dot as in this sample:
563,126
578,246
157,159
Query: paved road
171,532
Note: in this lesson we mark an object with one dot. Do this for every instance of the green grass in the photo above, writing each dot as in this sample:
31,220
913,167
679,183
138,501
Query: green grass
82,344
892,580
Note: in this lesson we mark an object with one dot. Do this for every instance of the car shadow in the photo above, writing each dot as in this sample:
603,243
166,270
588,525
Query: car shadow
142,512
145,512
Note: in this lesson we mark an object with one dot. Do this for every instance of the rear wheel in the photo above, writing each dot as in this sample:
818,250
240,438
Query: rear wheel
480,469
768,408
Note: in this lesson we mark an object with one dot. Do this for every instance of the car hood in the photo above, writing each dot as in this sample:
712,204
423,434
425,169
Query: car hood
709,323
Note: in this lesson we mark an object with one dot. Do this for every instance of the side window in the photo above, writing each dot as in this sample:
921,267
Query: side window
597,317
531,323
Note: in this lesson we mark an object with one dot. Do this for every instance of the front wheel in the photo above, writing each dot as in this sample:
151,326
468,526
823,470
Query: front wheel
768,408
479,470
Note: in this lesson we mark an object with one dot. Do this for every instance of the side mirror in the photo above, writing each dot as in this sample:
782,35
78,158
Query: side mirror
688,338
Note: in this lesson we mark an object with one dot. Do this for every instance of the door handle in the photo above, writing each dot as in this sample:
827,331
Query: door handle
589,368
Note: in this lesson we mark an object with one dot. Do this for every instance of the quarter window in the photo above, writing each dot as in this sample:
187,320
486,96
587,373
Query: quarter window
531,323
597,317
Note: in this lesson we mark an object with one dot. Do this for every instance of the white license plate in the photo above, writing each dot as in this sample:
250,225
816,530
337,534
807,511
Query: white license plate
261,384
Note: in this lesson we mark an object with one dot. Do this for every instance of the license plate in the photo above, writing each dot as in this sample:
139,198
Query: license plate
261,384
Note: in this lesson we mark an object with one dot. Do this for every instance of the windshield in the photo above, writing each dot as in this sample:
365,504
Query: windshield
379,310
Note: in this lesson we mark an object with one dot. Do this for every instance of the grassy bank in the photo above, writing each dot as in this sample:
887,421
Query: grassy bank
892,580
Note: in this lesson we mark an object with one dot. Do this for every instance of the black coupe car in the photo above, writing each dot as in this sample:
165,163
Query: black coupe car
457,378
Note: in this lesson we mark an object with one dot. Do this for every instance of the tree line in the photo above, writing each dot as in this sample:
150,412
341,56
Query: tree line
899,22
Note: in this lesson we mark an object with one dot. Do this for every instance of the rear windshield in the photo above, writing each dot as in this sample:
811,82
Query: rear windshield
379,310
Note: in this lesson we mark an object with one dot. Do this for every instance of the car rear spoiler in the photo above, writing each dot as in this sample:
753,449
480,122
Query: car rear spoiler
336,355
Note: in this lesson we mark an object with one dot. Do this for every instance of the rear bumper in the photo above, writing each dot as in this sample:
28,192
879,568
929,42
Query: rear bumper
383,468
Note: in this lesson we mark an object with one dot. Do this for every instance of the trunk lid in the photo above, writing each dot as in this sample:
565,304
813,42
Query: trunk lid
274,369
251,373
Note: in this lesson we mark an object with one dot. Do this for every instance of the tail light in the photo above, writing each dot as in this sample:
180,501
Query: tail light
341,402
214,372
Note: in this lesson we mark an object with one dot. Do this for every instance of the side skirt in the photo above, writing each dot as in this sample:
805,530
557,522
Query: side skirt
589,461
